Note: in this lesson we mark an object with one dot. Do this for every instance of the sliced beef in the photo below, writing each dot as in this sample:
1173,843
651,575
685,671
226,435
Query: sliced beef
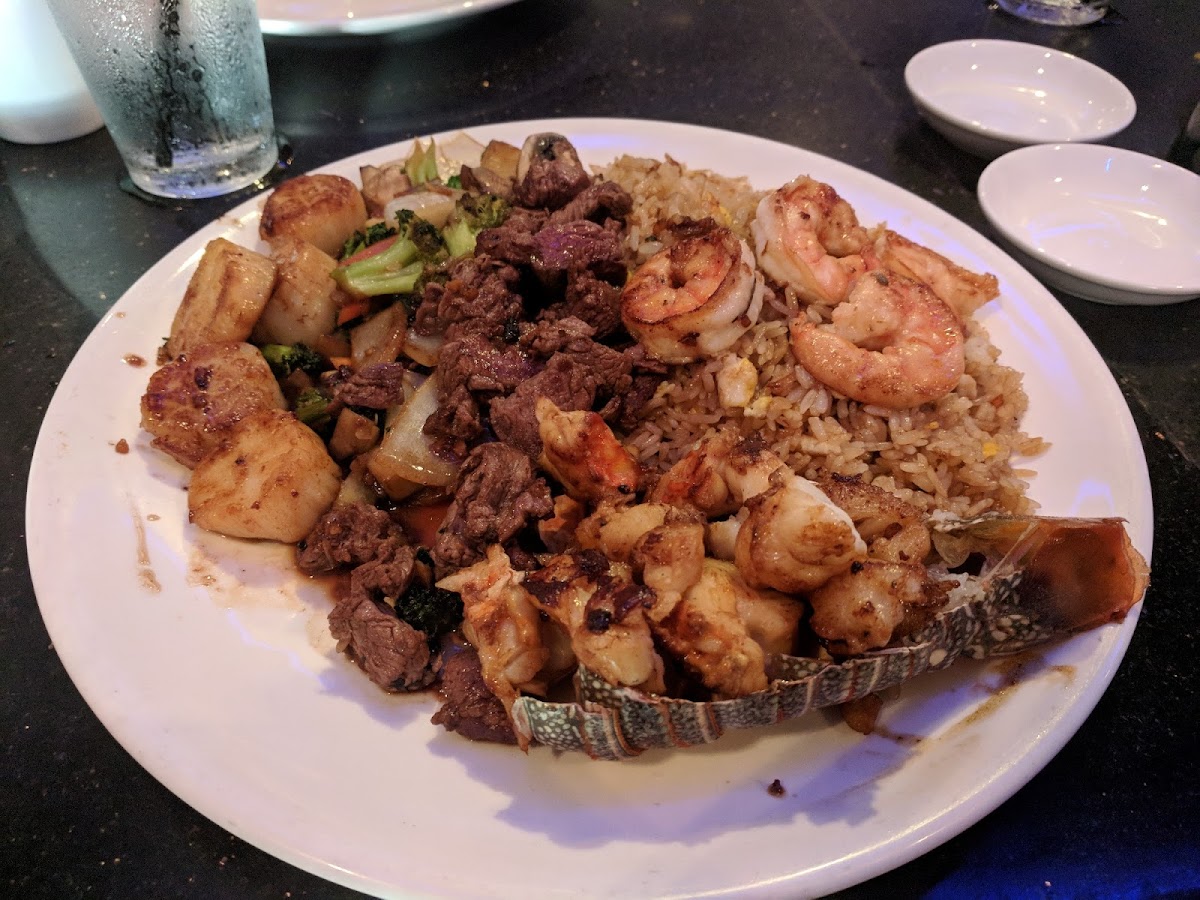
468,707
597,202
480,297
610,369
633,401
592,300
648,374
553,250
644,362
581,374
387,576
482,365
350,534
496,495
471,369
564,381
391,652
457,423
512,241
378,386
577,246
550,335
552,180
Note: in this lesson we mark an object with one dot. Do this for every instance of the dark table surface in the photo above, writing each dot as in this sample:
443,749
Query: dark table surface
1115,813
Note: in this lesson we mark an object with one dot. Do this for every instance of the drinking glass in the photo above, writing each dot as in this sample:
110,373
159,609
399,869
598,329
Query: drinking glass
1056,12
182,86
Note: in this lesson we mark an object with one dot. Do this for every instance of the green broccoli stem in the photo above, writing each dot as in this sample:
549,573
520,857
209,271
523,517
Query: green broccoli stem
402,281
459,238
391,271
312,408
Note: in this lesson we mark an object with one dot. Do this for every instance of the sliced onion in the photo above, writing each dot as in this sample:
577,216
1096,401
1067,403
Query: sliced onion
461,150
422,348
380,338
406,452
432,206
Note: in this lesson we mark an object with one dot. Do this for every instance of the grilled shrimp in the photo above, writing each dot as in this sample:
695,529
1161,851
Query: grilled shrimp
961,289
583,455
722,629
807,237
893,343
693,299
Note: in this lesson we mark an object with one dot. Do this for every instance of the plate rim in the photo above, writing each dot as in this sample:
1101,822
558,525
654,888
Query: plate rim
834,875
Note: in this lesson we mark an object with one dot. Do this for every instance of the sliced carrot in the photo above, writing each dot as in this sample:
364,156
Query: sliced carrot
339,361
352,310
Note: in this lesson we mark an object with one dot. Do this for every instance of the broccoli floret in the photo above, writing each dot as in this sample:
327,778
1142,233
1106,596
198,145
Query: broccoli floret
482,210
423,233
454,181
431,610
284,359
416,248
312,408
363,239
472,214
394,270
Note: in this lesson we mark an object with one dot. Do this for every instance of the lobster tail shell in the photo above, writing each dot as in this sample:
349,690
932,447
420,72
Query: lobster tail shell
1041,578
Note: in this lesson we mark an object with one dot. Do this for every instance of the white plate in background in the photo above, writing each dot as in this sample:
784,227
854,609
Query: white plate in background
318,17
988,96
1101,223
209,659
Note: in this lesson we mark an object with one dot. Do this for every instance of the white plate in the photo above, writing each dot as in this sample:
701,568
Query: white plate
317,17
1101,223
210,661
989,97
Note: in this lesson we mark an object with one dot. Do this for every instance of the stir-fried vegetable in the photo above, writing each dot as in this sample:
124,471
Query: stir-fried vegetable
421,165
405,456
285,359
472,214
394,268
360,240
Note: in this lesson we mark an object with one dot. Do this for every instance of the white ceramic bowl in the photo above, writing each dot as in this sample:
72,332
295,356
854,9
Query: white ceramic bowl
1101,223
988,97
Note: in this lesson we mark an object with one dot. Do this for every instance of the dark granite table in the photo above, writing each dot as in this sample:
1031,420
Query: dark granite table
1116,813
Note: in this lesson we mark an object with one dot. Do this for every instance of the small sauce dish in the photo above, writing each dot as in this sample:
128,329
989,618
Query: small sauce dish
988,97
1101,223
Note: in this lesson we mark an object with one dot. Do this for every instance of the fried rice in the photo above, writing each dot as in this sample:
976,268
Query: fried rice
957,455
